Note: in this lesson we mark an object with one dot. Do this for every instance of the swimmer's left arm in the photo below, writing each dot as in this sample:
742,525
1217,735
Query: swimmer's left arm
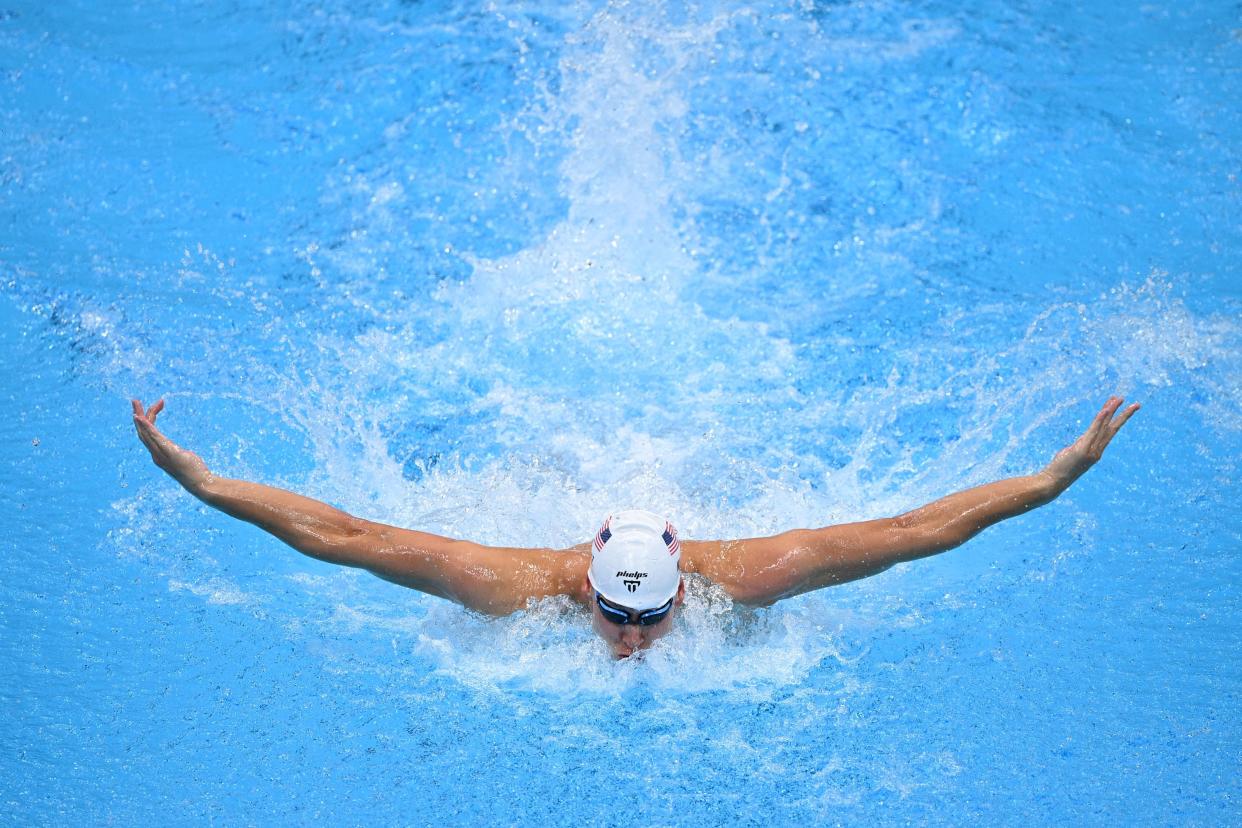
763,570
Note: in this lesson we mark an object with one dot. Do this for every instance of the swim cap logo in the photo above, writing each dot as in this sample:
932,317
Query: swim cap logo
631,579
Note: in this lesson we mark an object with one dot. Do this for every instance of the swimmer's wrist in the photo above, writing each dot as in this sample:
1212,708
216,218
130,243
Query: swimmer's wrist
199,484
1051,484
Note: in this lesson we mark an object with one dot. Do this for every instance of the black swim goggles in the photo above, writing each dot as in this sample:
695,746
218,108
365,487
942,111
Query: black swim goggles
621,617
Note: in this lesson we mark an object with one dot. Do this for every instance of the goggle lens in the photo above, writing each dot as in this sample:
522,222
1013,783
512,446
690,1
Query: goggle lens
646,618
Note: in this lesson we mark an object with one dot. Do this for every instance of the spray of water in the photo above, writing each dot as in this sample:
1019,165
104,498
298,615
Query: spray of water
580,374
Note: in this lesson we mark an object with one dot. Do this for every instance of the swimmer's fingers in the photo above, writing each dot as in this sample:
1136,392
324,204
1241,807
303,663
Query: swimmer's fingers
1120,421
1098,433
156,443
140,421
1107,423
141,412
1105,416
161,448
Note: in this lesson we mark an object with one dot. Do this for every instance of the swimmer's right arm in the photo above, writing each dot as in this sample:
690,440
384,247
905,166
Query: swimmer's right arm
493,580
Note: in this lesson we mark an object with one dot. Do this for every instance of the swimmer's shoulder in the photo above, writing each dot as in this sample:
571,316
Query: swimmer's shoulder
569,569
700,557
736,566
575,559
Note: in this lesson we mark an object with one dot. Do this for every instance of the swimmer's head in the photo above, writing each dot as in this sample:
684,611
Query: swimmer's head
635,580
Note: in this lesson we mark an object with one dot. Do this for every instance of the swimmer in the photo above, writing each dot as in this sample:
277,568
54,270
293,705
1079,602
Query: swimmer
630,576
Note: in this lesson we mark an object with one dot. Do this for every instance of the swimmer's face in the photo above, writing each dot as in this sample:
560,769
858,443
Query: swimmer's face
626,639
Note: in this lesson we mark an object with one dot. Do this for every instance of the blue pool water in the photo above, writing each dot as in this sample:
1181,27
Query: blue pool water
493,270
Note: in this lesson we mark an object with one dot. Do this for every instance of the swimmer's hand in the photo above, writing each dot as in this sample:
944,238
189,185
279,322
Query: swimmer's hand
186,467
1073,461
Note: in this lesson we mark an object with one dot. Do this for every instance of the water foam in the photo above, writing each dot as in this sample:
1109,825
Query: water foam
580,374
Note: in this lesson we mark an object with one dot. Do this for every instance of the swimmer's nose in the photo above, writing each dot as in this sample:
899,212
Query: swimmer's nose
631,636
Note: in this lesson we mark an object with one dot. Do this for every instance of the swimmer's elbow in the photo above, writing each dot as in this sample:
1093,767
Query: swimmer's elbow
351,528
343,540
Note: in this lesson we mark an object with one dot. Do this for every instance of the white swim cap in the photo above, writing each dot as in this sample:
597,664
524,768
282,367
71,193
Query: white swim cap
634,560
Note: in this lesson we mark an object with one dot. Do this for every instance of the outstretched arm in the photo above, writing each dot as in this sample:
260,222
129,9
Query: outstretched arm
494,580
763,570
